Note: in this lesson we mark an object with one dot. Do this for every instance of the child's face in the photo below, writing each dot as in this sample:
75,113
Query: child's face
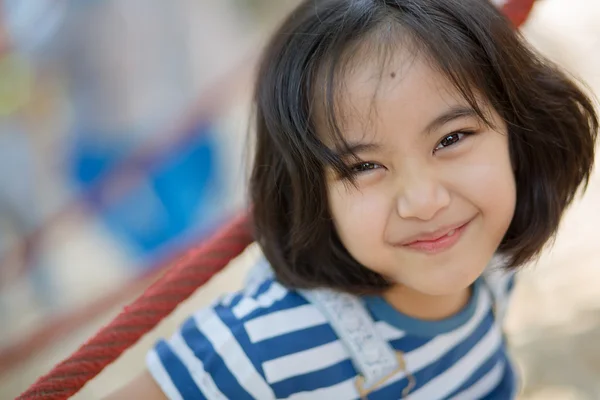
420,178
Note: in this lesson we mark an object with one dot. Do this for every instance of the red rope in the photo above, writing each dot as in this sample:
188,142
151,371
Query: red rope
158,301
28,345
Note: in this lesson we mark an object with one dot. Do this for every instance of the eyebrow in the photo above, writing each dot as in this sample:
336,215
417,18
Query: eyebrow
452,114
354,148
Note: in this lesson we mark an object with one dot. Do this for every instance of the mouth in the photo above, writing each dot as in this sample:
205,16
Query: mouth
438,241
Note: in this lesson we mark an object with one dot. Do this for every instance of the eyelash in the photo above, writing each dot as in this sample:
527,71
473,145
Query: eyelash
463,133
364,167
370,166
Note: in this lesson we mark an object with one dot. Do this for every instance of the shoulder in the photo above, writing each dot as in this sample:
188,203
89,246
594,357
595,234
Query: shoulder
242,346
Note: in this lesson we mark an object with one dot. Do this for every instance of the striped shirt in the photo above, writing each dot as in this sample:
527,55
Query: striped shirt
269,342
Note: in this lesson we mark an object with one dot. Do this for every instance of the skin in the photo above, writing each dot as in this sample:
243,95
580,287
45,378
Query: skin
415,176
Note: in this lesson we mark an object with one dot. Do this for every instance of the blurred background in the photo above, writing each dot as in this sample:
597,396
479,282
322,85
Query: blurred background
123,130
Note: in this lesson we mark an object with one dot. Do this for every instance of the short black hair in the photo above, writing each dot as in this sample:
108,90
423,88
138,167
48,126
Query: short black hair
551,122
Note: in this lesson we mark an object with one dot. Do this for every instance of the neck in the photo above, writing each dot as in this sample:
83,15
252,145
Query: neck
426,307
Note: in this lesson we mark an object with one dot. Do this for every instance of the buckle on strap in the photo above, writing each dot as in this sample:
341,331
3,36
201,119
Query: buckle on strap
364,390
373,357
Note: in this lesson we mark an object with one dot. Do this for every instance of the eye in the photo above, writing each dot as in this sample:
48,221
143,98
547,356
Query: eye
364,167
451,140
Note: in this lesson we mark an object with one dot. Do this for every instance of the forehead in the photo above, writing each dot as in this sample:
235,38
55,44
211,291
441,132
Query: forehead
405,79
403,88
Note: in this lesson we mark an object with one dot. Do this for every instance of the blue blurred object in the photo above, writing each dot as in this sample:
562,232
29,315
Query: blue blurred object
178,194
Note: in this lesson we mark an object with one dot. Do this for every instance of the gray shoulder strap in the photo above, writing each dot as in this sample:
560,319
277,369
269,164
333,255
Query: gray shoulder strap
259,272
372,356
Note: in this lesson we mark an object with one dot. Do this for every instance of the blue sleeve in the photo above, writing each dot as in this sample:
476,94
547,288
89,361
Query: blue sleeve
209,357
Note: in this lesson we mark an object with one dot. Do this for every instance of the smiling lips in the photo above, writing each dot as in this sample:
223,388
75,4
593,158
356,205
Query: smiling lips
438,241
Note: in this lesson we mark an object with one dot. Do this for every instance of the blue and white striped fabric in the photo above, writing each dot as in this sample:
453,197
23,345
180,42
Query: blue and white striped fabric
270,343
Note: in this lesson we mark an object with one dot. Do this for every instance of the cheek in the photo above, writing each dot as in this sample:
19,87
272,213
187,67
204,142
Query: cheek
359,217
486,180
488,185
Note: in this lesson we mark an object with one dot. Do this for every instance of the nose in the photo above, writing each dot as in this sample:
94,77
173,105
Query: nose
422,197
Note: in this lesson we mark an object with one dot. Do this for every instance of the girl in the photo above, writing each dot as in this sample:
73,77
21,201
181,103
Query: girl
410,155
